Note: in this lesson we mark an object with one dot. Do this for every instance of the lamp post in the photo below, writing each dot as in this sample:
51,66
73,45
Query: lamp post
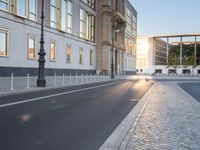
114,30
41,82
112,57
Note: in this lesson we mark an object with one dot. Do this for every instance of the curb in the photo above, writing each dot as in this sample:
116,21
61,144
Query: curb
119,138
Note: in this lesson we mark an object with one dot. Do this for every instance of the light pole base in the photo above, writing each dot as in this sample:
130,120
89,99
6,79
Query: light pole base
41,83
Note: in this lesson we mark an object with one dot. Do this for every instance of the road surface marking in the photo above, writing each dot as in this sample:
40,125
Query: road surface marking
54,95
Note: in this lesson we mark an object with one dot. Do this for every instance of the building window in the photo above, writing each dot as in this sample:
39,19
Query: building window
32,10
90,3
91,57
68,53
31,47
172,71
66,16
158,71
81,56
3,42
53,51
4,5
83,26
69,27
54,13
198,71
61,15
87,23
186,71
21,7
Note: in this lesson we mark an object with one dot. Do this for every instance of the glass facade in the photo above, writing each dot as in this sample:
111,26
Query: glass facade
131,30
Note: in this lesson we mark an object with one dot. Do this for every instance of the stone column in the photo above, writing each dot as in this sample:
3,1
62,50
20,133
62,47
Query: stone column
181,50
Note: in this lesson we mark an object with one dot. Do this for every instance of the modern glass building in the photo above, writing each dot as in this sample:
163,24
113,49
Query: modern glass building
169,54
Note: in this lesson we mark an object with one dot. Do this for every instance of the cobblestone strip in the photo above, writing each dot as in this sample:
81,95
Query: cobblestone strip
135,123
170,121
122,131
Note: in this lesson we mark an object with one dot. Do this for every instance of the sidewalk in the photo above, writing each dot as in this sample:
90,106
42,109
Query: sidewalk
9,85
166,118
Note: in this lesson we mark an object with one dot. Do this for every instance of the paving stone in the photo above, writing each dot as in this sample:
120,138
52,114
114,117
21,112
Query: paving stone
170,121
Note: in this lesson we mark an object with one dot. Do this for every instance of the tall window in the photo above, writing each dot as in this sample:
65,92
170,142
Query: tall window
21,8
91,28
4,5
3,42
128,20
91,57
90,3
69,28
66,15
87,23
81,56
54,11
68,53
83,19
31,47
53,51
32,9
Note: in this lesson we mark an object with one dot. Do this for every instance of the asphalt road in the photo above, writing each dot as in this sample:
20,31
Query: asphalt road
192,88
80,120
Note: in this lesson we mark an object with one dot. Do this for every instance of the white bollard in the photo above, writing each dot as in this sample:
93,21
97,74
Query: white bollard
82,78
86,78
63,79
28,84
55,79
11,82
76,79
70,79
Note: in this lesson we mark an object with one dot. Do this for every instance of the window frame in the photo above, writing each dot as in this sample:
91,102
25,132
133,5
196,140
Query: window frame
56,8
26,9
70,53
91,56
80,56
89,3
29,12
52,60
30,36
7,41
6,2
87,25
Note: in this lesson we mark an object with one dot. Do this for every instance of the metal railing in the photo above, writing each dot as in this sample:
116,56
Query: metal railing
14,83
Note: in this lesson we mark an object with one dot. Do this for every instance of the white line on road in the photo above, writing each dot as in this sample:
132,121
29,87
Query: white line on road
54,95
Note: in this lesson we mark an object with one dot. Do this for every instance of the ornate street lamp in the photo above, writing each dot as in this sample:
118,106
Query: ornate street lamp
112,57
41,82
114,30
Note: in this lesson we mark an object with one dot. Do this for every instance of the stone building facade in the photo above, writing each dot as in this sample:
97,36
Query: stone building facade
77,33
112,23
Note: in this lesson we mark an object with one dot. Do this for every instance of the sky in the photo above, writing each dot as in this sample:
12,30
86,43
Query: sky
157,17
